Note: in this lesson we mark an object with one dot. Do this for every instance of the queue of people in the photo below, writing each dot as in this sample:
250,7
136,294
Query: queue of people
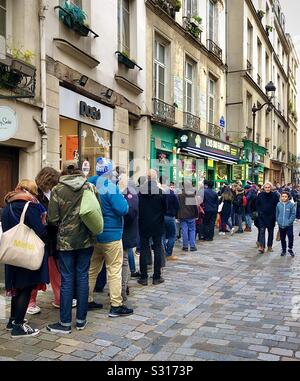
143,216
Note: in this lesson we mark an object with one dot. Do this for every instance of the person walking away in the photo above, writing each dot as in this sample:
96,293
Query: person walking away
46,180
238,208
152,209
169,237
20,282
266,208
227,199
187,215
74,244
211,204
130,231
285,217
109,243
250,194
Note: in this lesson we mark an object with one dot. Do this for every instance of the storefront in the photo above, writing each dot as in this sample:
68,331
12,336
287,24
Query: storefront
259,160
85,129
277,172
213,159
163,155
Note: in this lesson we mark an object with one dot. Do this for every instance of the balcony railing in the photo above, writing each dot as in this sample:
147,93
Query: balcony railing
163,111
214,131
259,80
214,48
191,122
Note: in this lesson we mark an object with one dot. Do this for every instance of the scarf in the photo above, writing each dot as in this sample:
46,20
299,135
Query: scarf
20,195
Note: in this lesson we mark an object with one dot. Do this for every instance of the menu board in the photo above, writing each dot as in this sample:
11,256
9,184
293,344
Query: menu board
238,172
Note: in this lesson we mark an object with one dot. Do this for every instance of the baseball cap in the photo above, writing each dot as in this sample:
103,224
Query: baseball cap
70,165
103,166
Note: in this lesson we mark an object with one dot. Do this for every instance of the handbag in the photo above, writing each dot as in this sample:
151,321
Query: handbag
278,236
220,207
21,247
90,211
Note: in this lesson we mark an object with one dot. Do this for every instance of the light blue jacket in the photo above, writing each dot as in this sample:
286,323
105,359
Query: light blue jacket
285,214
114,206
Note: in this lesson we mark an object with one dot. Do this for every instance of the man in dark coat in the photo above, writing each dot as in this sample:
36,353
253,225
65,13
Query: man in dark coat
211,204
266,208
152,209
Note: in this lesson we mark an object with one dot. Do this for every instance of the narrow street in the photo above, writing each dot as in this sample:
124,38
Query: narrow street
224,302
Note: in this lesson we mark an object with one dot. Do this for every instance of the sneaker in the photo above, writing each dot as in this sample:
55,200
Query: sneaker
94,306
74,303
120,311
58,328
135,275
143,281
194,248
232,231
222,233
283,253
158,281
261,250
23,330
81,326
33,310
172,258
185,249
9,325
292,254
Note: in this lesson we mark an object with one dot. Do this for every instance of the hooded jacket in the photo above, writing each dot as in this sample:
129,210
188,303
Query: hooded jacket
152,209
285,214
63,212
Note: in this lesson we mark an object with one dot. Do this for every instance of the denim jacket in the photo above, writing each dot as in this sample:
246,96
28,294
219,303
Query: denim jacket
285,214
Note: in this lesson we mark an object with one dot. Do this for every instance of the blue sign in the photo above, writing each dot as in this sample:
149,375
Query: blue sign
222,122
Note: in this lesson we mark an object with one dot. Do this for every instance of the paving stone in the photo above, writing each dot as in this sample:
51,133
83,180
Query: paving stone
258,348
49,354
282,352
268,357
65,349
83,354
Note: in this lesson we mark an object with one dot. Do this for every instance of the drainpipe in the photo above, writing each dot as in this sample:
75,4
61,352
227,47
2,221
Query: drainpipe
43,125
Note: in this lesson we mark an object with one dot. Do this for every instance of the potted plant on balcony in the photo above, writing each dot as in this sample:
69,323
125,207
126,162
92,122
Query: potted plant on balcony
21,62
75,19
260,14
176,4
196,21
269,29
123,57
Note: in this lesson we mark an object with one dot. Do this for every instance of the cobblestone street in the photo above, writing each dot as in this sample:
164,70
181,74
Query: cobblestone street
224,302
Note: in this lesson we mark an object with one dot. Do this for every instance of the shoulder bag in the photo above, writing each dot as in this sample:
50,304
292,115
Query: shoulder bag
90,211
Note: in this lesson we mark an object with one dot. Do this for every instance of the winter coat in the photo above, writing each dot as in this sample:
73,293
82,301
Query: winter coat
172,204
238,202
152,209
188,209
285,214
227,209
131,222
63,212
211,201
266,208
251,201
18,277
114,208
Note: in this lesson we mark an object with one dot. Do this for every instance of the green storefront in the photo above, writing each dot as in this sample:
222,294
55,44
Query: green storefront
163,151
213,159
243,171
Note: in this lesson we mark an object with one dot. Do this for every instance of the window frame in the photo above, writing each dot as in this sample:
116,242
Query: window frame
4,8
211,96
123,47
157,64
189,81
193,9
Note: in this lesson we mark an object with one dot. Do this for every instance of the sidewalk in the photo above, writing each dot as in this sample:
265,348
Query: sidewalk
224,302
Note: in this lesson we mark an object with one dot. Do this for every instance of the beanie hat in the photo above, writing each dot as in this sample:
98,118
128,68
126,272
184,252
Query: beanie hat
103,166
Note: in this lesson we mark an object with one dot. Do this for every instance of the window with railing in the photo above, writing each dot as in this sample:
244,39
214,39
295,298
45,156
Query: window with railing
191,121
160,69
3,18
124,26
211,99
214,131
163,111
189,86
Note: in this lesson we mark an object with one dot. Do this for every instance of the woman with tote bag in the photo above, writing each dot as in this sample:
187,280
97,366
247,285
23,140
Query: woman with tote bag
19,282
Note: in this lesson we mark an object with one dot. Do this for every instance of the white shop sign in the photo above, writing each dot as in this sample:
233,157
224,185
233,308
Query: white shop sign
8,123
69,106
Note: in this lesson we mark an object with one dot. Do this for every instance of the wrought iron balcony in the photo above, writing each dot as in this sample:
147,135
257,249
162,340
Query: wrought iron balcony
259,80
17,76
214,131
191,122
163,111
214,48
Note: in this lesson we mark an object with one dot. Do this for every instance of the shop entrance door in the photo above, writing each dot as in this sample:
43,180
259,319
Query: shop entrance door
9,169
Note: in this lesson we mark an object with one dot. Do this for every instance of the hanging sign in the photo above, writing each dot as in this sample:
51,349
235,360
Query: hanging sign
86,168
8,123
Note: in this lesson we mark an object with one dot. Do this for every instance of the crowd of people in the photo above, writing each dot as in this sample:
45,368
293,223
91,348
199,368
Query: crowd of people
139,219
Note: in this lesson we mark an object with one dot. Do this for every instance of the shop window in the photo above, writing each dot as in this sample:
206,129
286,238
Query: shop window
221,174
124,26
94,143
3,18
68,140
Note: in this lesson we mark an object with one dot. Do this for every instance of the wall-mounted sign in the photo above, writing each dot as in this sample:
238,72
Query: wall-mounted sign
88,111
8,123
222,122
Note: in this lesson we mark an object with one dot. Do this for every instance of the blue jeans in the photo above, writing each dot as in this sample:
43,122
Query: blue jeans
239,221
131,261
169,237
188,228
74,267
248,219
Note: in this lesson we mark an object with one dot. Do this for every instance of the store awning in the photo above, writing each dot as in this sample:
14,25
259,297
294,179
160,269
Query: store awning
215,156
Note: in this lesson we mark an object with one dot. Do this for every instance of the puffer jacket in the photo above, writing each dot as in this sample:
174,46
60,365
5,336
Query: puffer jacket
285,214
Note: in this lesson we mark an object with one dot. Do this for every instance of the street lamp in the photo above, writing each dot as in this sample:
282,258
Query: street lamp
270,88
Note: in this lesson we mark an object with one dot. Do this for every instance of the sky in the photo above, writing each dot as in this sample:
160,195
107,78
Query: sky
291,9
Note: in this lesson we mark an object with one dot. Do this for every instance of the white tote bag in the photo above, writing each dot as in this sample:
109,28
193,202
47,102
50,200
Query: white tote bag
220,207
21,247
